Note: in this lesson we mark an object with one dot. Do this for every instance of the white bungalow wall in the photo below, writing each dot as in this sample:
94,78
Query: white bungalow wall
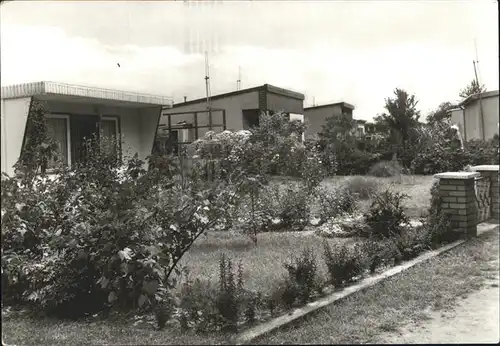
137,126
14,117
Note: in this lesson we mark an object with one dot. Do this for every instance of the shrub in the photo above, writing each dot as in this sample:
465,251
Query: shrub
94,238
385,169
335,203
438,225
198,306
363,187
386,214
229,295
293,209
378,253
410,243
302,272
207,308
343,263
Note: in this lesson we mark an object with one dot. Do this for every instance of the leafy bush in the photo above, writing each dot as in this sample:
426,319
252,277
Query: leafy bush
343,263
98,236
378,253
386,214
410,243
302,272
208,308
229,295
438,226
293,209
385,169
335,203
198,306
363,187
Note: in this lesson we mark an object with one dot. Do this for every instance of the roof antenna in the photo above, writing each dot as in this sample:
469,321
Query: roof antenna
476,69
238,82
207,88
314,101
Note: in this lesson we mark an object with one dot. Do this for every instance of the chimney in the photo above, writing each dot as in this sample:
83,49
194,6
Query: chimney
185,98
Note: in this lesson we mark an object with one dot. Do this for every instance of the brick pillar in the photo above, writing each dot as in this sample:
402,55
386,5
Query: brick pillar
491,172
458,200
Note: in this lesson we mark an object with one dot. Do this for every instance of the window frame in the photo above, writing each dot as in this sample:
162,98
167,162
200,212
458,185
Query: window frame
68,135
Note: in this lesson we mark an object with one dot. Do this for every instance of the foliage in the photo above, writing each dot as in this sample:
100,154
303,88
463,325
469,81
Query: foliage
206,308
340,148
378,253
410,243
100,235
438,226
230,289
343,264
472,88
402,119
302,273
386,214
363,187
335,203
385,169
440,114
38,148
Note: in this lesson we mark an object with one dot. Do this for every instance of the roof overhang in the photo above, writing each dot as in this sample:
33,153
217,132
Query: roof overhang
341,104
477,96
51,91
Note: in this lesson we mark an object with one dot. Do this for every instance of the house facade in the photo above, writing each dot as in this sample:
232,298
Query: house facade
76,113
477,116
239,110
316,116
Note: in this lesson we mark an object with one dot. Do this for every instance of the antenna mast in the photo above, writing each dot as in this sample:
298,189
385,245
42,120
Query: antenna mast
476,68
238,82
207,88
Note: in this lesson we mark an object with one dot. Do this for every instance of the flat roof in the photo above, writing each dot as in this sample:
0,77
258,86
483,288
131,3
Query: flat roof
266,87
484,95
342,104
80,91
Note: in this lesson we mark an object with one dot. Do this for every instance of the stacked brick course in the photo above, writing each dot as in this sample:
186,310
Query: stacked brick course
458,201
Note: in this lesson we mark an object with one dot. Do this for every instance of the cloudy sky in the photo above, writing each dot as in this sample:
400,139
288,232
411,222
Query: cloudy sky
356,51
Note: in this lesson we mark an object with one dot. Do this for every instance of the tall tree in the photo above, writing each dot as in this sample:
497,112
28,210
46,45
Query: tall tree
472,88
402,118
402,115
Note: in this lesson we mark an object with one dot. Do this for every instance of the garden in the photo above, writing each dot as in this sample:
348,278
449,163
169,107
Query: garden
254,224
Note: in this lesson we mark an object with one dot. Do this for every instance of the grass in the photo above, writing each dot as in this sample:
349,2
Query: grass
360,318
262,263
365,316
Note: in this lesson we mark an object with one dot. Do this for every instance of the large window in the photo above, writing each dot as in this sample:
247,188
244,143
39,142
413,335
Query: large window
70,133
58,130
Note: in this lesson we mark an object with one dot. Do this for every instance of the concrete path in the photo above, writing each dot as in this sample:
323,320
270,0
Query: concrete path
474,320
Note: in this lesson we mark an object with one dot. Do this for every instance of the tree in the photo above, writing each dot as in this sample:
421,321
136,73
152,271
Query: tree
401,120
441,113
472,88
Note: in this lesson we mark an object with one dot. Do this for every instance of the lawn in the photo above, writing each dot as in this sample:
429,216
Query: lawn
262,264
364,317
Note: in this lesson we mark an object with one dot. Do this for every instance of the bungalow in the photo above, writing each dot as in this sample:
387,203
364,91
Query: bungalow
477,116
76,113
238,110
316,116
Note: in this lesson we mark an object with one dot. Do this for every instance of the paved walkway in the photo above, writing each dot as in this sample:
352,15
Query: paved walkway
474,320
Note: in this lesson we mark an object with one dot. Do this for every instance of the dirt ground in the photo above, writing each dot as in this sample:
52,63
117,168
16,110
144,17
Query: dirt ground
474,320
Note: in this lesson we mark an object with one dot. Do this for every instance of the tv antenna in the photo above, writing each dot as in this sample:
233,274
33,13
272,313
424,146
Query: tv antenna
314,101
207,88
238,81
476,69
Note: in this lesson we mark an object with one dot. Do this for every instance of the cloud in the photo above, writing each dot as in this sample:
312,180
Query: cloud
356,53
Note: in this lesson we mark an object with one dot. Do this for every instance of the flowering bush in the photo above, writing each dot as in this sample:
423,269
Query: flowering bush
94,237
